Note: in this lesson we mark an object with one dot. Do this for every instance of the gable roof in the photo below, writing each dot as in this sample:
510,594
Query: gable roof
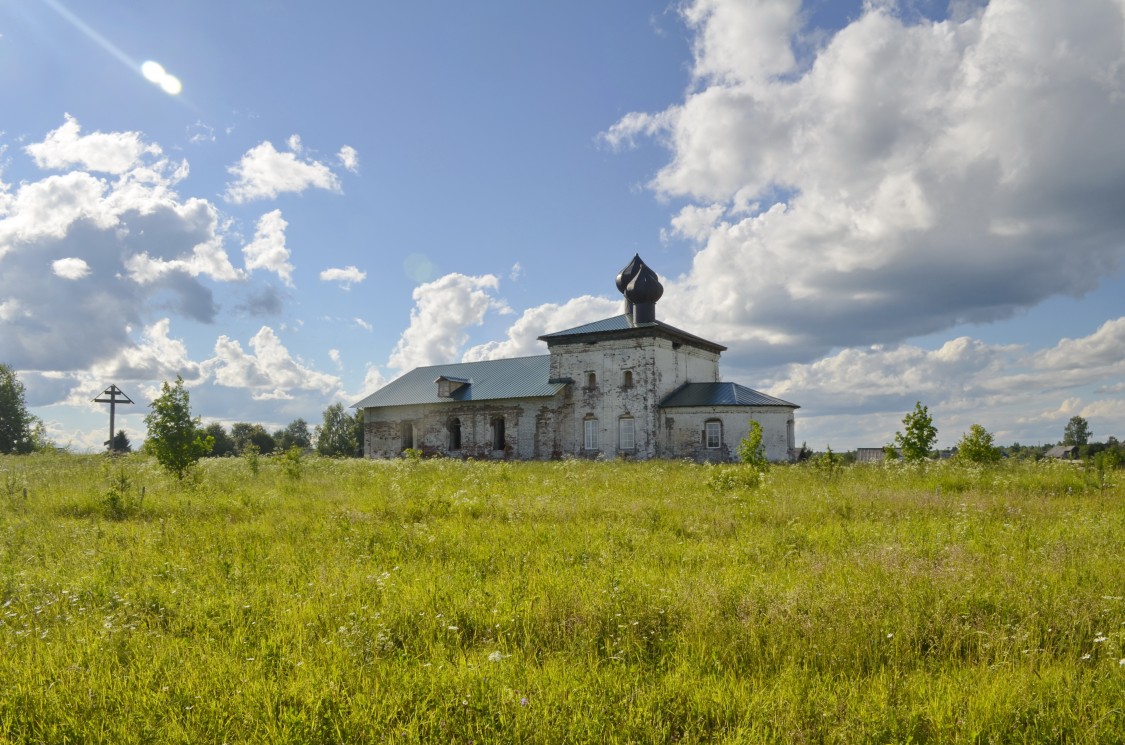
487,380
622,327
719,394
1062,451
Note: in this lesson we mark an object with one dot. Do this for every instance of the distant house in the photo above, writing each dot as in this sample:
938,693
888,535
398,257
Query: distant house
1063,452
628,386
870,455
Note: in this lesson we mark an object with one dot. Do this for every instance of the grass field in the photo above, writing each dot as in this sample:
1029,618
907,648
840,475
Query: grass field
349,601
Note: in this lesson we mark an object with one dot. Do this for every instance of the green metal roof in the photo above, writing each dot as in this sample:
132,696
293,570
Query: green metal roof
719,394
623,326
520,377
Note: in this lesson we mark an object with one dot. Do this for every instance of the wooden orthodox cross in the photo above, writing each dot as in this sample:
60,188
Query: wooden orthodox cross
116,396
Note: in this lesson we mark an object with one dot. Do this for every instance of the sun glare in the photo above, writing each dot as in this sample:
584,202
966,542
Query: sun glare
154,72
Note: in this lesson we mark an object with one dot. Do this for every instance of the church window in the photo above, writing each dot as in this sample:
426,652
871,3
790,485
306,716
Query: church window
591,380
407,439
590,431
628,382
626,433
713,434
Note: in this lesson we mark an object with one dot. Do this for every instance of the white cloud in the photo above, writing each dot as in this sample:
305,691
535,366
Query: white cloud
206,258
334,355
264,173
442,310
347,276
199,133
903,178
130,239
115,152
10,310
362,324
1105,347
70,268
156,357
863,393
349,158
269,371
523,335
267,250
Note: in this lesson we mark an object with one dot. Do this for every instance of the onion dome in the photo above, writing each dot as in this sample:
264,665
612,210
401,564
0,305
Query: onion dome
626,275
641,295
645,288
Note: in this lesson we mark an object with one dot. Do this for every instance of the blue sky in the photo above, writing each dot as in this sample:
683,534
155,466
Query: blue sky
868,203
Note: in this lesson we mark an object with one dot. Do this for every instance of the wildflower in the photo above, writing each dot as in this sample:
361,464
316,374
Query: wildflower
523,701
495,656
1099,638
1086,656
891,636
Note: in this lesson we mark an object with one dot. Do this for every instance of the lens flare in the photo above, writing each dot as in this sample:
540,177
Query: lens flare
171,85
154,72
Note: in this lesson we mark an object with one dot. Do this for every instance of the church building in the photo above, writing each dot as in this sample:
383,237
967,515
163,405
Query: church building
627,386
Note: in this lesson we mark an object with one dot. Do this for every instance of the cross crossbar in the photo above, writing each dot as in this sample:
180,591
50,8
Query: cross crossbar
116,396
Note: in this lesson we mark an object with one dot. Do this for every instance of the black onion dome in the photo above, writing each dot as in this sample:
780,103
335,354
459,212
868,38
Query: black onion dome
645,287
626,275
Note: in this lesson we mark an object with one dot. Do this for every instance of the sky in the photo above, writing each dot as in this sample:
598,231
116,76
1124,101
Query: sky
869,202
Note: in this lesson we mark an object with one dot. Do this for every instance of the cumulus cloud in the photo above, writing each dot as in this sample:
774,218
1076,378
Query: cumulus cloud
114,152
138,248
857,397
264,173
70,268
523,335
267,250
349,158
901,178
442,310
346,276
157,356
269,371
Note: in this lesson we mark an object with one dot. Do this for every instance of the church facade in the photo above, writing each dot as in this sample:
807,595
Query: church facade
627,386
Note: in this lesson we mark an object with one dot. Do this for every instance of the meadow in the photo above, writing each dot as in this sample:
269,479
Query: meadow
317,600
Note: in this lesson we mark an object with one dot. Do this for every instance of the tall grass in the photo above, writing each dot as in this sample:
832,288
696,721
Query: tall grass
358,601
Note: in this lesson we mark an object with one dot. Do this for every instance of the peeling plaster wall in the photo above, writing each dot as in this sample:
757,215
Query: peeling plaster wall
658,367
684,431
429,426
551,427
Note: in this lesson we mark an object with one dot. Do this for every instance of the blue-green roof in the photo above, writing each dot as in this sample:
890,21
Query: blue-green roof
521,377
623,326
719,394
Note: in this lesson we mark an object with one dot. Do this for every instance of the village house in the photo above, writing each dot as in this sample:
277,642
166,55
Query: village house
627,386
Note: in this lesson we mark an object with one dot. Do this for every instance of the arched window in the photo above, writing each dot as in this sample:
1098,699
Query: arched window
628,381
407,432
455,434
497,433
590,431
626,433
591,380
713,434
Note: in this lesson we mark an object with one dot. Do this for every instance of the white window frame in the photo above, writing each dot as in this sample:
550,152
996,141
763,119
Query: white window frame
627,433
590,434
713,427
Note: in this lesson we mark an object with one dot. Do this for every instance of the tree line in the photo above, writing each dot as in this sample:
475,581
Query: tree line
179,439
918,438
